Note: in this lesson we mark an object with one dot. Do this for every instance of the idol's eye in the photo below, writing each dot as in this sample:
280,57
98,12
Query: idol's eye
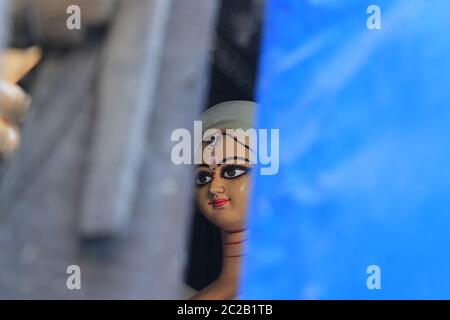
232,172
203,178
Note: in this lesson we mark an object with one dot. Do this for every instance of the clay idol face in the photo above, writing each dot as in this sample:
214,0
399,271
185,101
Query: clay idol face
223,181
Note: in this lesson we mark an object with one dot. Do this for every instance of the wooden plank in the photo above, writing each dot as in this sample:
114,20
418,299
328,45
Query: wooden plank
165,192
150,261
127,83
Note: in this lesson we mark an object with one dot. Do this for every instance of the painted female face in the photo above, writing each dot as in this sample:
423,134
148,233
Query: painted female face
223,185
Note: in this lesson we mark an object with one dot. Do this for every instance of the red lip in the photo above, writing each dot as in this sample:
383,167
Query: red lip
218,202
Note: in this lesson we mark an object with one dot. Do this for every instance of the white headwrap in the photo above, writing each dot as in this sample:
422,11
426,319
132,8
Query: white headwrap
230,115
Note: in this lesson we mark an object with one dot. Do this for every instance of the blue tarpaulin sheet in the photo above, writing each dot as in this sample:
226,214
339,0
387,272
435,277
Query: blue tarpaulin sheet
364,175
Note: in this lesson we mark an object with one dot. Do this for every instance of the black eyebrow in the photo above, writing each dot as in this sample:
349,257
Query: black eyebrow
204,165
224,160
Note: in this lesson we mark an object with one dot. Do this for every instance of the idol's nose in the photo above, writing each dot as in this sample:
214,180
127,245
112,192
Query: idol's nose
216,186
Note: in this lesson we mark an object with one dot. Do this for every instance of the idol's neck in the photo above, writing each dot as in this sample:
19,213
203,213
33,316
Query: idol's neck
226,286
232,243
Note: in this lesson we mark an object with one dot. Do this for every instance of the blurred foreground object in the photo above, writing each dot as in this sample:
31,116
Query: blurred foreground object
92,184
16,63
14,102
46,19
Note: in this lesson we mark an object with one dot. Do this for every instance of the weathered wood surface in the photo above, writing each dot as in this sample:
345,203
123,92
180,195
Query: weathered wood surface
39,194
42,189
165,192
48,19
4,7
127,81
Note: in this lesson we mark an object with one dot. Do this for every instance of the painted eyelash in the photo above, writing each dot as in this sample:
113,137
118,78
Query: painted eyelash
224,168
236,167
202,173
